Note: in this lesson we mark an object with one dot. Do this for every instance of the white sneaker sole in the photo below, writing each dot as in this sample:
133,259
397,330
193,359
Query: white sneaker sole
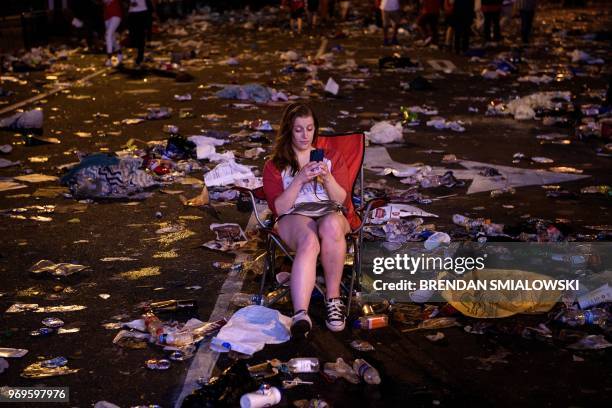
335,327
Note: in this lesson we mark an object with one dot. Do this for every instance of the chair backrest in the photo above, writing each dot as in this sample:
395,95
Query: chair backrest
351,147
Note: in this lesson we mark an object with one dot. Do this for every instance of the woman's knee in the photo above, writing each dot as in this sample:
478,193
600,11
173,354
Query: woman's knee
308,243
332,227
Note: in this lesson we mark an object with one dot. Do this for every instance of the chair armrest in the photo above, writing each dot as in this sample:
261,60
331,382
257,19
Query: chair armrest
253,194
371,205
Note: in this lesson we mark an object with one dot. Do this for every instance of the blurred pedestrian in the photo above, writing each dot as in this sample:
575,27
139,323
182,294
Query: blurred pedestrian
324,10
112,19
492,13
313,12
448,21
139,15
463,17
297,11
428,21
391,18
344,7
526,10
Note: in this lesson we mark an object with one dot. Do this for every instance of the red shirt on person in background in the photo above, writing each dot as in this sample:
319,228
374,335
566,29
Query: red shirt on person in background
112,8
295,5
430,7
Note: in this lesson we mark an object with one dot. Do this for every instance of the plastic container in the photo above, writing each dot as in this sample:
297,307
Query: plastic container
177,339
372,322
266,396
303,365
366,371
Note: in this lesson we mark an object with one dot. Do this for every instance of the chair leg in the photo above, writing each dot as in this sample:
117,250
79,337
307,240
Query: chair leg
268,268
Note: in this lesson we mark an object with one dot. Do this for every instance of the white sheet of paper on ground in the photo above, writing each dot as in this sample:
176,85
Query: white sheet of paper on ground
10,185
378,157
442,65
7,163
397,210
227,173
35,178
332,86
12,352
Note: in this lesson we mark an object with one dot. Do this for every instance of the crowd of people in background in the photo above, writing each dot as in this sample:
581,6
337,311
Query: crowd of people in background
459,21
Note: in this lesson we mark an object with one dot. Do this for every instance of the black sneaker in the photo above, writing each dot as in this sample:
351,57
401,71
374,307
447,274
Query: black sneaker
300,324
336,317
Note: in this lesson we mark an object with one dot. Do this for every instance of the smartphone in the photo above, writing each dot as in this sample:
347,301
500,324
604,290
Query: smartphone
316,155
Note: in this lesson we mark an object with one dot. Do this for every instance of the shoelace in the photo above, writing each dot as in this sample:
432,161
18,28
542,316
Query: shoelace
335,310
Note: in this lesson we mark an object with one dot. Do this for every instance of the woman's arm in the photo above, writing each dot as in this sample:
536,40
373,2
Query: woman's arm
285,201
281,201
336,182
334,189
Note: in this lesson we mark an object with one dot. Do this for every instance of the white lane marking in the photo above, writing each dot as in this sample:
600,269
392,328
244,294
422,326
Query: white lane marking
205,359
66,86
51,92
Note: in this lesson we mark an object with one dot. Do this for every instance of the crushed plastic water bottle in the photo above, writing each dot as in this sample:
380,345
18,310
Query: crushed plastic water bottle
340,369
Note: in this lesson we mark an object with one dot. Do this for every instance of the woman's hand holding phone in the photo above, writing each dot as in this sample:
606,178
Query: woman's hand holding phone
309,172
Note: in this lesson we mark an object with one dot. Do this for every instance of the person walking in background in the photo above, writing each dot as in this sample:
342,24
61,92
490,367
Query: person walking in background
492,13
390,18
344,7
313,13
428,20
139,15
463,17
112,19
324,10
297,11
448,20
526,10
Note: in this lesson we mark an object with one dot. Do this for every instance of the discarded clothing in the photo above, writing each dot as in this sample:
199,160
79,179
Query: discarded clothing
103,176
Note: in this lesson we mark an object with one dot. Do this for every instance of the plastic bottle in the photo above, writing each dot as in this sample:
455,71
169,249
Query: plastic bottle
177,339
502,191
246,299
341,369
582,317
366,371
372,322
303,365
265,396
467,222
153,325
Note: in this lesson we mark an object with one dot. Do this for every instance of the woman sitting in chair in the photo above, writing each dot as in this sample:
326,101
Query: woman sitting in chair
292,182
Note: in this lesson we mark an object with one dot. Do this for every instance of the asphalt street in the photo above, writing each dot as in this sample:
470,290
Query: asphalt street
488,370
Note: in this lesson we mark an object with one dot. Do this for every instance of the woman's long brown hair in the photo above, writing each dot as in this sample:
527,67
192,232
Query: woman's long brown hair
283,155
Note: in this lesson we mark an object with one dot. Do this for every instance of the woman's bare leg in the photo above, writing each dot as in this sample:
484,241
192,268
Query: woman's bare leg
299,233
332,230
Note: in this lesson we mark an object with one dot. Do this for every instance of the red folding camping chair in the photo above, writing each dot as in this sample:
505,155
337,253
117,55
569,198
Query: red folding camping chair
351,147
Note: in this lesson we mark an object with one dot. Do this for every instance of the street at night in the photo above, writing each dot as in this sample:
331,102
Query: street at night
115,175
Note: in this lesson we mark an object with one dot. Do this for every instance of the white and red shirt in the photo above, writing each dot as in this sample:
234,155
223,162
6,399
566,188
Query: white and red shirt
307,194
